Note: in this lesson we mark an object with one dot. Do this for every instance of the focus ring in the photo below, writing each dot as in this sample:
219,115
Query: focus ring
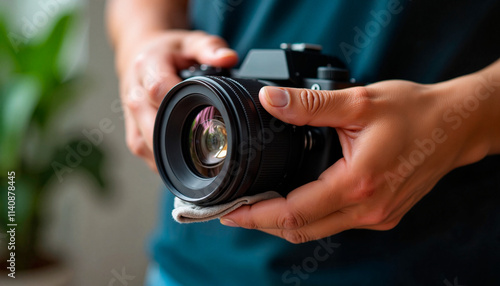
274,140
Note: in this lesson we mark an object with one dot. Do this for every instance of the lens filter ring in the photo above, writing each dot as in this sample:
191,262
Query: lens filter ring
173,154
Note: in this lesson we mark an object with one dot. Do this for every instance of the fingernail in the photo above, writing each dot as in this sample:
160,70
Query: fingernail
228,222
276,97
224,52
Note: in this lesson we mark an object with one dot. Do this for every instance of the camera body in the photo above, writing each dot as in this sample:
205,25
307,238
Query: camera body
293,65
214,142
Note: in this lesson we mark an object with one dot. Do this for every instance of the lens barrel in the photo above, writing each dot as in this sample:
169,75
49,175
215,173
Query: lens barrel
256,152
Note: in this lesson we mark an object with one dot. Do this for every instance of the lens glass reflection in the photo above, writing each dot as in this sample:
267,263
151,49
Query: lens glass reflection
208,142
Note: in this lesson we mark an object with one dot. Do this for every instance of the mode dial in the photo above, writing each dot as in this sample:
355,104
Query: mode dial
333,73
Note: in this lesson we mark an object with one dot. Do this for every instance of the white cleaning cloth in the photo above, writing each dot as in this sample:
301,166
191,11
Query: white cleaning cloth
185,212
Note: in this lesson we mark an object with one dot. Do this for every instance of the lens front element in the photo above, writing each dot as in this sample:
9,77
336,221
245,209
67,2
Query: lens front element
208,142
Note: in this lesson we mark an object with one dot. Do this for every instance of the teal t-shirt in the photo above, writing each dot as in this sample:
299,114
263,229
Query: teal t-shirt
451,237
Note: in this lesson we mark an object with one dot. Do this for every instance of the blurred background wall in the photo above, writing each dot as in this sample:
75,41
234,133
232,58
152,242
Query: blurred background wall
98,238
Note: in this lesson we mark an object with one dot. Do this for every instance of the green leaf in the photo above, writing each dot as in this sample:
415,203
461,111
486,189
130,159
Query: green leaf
49,109
41,58
17,104
9,41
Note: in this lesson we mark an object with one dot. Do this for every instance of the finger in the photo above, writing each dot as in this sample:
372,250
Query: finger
135,141
152,165
339,108
301,207
208,49
330,225
143,113
157,74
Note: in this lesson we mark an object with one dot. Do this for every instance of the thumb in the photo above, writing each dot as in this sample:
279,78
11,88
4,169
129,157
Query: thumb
298,106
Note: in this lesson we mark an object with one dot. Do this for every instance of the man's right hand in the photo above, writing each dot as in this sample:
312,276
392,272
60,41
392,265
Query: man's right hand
148,68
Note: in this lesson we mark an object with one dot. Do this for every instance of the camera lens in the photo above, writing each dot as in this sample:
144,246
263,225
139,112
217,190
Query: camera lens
214,142
208,142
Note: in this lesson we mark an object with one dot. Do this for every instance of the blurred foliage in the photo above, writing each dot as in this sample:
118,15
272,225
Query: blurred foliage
34,91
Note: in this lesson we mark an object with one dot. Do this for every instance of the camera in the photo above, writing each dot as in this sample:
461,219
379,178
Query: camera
214,142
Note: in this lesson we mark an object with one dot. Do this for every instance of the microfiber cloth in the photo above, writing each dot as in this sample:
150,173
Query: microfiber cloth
185,212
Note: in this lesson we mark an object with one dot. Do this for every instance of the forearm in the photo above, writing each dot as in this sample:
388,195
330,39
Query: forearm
129,21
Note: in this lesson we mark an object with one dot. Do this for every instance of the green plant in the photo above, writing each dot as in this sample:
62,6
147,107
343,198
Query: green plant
33,93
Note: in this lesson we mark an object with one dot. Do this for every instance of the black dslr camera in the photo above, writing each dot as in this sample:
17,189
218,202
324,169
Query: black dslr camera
214,142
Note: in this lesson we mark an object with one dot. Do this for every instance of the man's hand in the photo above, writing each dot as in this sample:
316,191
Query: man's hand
398,139
148,67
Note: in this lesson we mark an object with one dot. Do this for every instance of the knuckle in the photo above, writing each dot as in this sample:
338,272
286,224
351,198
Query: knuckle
134,97
135,146
389,225
365,189
296,236
312,100
153,89
291,220
376,217
250,224
247,221
138,61
361,99
132,105
360,93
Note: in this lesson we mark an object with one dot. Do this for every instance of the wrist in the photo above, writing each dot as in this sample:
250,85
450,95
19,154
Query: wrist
489,89
469,107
